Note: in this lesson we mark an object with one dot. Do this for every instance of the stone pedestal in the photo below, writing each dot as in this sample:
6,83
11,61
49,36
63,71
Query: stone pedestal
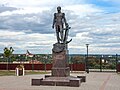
60,66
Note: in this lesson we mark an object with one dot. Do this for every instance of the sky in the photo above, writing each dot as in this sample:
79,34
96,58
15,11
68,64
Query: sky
27,25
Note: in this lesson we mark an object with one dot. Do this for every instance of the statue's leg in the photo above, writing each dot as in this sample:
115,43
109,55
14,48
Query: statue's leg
57,34
61,33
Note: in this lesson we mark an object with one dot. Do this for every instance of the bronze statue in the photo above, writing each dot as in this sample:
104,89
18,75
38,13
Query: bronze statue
59,21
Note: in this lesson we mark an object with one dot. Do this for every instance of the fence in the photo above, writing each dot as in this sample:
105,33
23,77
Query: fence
73,67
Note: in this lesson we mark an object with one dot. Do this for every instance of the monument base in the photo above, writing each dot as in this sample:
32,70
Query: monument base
58,81
60,70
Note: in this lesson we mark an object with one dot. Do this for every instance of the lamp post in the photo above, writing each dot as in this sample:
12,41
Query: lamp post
116,62
101,61
87,65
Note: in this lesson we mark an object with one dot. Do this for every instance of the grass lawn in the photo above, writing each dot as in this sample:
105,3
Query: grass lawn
7,73
12,73
36,72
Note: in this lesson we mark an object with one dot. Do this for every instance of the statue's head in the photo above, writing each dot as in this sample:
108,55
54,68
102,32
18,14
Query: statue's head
58,8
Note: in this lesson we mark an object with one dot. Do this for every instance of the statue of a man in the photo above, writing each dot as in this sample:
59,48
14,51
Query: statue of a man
59,21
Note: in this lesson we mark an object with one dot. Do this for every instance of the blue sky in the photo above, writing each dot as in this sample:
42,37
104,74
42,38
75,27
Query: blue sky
26,25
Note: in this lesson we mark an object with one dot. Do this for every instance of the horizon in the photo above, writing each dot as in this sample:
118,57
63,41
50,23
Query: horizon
70,53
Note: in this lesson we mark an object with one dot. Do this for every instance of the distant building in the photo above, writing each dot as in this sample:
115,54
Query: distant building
28,54
17,62
34,62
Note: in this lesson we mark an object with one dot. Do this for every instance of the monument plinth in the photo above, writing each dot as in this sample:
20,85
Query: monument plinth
60,66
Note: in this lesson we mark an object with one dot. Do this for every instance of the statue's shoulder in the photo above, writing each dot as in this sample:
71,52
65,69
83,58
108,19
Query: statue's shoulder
54,14
59,14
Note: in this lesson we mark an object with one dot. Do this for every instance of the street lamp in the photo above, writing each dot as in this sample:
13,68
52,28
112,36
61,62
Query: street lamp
116,62
87,65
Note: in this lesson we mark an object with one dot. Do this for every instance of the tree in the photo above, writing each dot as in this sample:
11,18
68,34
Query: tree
93,62
77,59
8,54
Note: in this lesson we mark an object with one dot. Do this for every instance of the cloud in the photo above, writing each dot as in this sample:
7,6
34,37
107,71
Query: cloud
83,9
41,21
4,8
40,3
35,22
28,26
100,31
22,41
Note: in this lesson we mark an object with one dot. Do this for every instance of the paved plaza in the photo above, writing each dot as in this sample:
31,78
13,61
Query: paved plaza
94,81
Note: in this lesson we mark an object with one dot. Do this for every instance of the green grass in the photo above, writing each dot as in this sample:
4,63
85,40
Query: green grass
12,73
7,73
36,72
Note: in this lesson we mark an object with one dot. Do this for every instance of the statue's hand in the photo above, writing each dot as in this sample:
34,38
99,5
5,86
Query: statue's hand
53,26
66,24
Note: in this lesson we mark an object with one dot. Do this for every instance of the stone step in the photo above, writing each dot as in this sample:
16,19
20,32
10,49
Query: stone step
58,81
